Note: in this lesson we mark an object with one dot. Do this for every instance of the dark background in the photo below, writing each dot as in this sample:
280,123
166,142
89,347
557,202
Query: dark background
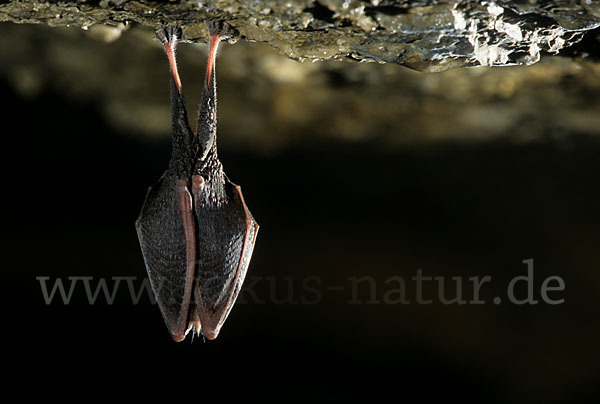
336,209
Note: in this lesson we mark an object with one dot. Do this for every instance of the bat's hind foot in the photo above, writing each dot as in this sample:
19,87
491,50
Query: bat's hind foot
221,29
169,34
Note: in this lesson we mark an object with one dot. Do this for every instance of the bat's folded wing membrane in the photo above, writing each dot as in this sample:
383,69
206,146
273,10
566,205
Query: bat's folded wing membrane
167,241
226,236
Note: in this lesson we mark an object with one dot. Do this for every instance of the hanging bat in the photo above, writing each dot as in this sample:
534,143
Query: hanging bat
195,231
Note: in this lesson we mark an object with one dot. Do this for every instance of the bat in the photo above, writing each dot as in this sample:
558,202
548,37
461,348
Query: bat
195,231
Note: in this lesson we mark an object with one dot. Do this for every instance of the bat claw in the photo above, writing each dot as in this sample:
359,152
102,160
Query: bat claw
169,34
221,29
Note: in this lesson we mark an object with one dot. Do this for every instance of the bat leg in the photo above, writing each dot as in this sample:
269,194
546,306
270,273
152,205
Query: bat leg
217,31
212,55
183,139
169,36
207,116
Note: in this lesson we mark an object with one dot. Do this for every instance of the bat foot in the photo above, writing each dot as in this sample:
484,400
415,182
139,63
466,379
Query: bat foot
169,35
221,29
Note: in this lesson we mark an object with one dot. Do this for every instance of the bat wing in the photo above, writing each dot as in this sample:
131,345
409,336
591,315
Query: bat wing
225,237
166,233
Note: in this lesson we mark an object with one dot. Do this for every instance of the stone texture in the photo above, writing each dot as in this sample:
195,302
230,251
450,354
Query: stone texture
268,102
424,35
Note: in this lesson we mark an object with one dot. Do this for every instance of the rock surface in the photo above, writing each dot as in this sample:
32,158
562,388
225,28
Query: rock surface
424,35
268,102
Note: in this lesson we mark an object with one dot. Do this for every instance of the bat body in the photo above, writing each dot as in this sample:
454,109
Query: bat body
195,231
